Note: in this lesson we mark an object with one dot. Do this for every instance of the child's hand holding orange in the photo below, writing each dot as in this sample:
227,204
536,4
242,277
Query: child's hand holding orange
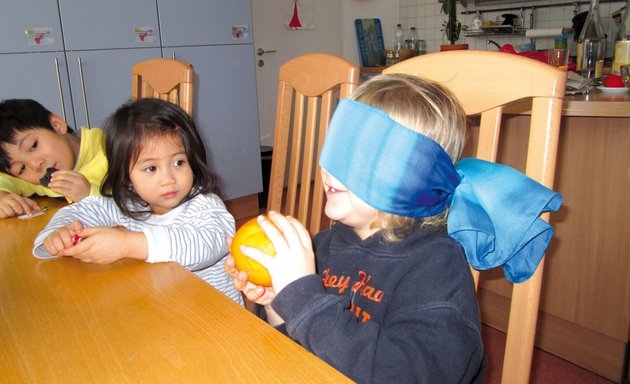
294,256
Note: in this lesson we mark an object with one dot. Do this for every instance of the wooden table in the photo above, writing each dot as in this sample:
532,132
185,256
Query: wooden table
63,321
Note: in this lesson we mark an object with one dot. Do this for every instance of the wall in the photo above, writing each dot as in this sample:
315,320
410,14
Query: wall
426,17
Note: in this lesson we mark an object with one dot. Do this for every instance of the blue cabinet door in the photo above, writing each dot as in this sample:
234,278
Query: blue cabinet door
226,113
30,26
98,24
106,81
38,76
205,22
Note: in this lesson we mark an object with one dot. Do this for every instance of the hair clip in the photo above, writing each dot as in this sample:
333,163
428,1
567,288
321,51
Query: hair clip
177,128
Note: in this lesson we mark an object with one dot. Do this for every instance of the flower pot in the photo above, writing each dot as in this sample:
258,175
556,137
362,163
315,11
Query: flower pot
453,47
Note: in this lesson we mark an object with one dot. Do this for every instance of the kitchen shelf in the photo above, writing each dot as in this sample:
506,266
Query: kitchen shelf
496,30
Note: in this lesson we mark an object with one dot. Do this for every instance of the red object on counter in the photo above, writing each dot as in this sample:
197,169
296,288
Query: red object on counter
536,55
613,81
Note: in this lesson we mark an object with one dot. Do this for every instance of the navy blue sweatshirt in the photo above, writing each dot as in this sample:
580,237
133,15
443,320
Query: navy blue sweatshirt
384,312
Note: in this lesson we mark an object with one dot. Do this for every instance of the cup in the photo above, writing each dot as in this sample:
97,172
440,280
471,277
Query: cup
558,57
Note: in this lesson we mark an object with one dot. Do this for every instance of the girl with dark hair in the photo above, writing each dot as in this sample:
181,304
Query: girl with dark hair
160,200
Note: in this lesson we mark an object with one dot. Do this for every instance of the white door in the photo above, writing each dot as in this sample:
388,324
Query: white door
270,34
269,21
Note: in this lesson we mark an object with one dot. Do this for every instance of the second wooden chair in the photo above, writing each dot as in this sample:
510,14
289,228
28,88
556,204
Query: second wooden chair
308,91
166,79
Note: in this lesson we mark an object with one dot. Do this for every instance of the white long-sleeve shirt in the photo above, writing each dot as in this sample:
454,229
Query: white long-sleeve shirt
192,234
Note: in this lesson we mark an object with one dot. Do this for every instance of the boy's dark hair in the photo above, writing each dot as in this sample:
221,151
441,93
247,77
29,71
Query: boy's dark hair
18,115
125,131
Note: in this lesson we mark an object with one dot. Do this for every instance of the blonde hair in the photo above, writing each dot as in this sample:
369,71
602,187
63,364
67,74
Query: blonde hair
425,107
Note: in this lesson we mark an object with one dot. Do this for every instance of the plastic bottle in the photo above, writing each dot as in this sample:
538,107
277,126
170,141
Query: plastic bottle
622,42
399,38
412,40
591,50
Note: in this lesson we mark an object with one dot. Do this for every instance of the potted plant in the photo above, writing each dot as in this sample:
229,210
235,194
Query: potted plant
452,26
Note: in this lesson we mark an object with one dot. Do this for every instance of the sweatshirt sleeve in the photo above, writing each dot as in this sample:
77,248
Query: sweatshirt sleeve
196,239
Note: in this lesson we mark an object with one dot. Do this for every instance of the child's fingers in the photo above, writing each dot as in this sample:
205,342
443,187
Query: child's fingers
18,205
31,204
230,266
302,232
76,226
271,230
257,255
58,241
290,229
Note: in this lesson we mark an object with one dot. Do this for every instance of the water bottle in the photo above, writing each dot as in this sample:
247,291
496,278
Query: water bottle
413,40
399,39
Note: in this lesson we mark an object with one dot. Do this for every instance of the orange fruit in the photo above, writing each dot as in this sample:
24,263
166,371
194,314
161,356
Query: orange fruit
252,235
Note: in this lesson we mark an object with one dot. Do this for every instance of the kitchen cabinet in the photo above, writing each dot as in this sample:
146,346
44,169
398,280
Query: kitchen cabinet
75,57
103,40
32,59
225,86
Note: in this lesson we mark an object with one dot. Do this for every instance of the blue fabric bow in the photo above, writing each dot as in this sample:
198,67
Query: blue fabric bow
495,216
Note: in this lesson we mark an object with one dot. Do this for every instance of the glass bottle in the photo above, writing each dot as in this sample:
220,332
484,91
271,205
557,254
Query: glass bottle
622,42
399,39
591,50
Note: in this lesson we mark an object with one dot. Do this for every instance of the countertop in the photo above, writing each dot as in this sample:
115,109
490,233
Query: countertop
594,104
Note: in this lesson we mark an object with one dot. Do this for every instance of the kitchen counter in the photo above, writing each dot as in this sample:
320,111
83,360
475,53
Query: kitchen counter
594,104
584,313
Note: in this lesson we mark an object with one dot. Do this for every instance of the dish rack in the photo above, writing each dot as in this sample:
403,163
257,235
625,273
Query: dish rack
494,30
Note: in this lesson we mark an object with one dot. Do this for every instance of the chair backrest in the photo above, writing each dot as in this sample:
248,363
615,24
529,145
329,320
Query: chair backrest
167,79
485,82
308,92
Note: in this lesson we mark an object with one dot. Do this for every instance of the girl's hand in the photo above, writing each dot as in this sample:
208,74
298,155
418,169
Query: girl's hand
71,184
254,293
62,238
294,252
104,245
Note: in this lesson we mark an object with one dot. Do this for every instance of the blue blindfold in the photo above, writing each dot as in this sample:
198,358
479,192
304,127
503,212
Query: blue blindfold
494,208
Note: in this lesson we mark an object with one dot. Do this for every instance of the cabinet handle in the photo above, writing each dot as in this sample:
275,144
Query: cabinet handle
85,103
63,103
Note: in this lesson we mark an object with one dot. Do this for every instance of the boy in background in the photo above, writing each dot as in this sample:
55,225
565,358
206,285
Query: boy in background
40,155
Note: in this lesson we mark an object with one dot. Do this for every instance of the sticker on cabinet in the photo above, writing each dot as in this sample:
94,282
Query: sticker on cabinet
39,36
143,34
240,32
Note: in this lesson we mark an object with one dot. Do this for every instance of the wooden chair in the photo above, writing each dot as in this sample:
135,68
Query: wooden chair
485,82
166,79
308,91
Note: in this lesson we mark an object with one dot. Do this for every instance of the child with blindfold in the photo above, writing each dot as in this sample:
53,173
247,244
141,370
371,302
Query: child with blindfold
389,296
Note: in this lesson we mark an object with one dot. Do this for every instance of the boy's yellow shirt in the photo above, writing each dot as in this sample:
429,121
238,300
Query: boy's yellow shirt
91,163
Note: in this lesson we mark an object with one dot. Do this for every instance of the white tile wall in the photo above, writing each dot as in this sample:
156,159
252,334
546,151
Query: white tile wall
425,15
